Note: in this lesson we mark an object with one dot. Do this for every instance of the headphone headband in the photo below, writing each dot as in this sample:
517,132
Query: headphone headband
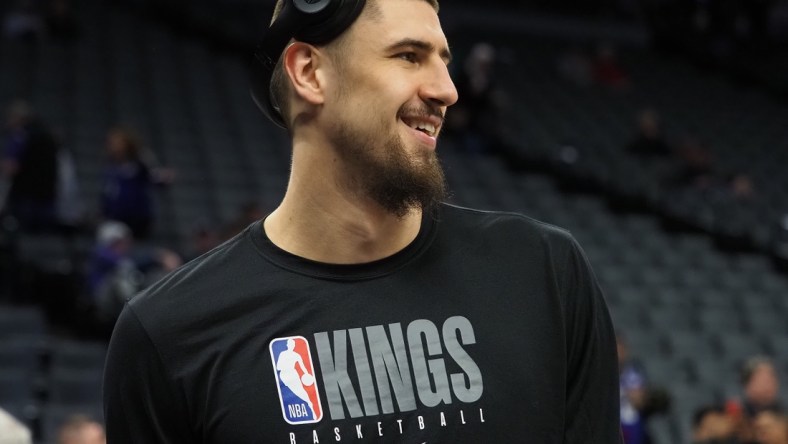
317,22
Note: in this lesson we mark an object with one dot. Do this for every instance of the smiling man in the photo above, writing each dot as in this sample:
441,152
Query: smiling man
410,320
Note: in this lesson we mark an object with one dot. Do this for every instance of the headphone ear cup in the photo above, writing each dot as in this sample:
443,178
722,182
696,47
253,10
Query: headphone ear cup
314,6
334,19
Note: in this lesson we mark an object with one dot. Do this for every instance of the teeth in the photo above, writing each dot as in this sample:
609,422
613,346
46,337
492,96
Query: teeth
430,129
426,127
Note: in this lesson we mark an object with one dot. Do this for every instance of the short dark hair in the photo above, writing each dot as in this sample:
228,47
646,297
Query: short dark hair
752,364
280,86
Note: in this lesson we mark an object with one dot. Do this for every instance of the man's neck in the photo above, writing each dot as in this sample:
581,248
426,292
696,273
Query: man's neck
320,220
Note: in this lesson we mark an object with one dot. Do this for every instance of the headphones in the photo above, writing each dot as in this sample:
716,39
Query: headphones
316,22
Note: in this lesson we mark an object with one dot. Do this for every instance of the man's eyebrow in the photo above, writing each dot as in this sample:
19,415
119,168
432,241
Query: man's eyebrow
422,45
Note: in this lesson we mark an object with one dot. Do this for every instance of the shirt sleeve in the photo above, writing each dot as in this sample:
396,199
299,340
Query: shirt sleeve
140,402
592,367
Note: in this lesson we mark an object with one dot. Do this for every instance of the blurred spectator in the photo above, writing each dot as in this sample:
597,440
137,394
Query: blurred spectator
771,427
61,22
118,269
607,69
30,164
713,425
23,22
649,140
80,429
697,169
12,431
761,386
633,390
760,392
476,118
129,177
740,186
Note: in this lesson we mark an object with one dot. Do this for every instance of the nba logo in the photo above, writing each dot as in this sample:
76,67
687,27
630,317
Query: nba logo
295,379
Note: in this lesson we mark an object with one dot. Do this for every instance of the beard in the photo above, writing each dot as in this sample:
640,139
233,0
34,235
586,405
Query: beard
379,167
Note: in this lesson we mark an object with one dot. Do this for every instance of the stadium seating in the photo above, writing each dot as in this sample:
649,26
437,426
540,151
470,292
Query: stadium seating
689,311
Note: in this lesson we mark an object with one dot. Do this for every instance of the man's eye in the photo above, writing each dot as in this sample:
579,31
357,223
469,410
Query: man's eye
408,56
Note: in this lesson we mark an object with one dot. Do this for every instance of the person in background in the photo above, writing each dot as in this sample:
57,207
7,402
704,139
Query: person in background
649,140
760,392
633,389
476,118
81,429
770,426
129,179
713,425
761,386
30,165
118,269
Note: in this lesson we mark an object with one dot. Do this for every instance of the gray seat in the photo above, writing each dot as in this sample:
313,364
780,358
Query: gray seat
16,386
719,319
21,353
68,386
767,321
22,321
690,345
672,318
662,430
78,356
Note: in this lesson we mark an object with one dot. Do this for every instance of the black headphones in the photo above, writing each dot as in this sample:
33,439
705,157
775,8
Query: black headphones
316,22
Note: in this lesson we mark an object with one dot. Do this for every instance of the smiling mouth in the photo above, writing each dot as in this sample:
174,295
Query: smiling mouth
426,125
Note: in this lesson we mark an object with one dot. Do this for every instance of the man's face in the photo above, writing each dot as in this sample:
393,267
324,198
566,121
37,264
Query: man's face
385,105
763,386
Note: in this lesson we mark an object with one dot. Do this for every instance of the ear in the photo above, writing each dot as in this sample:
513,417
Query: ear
302,64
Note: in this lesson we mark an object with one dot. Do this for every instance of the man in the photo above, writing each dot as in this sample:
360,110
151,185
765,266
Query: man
421,322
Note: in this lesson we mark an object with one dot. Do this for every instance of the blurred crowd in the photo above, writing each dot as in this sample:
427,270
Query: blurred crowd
755,415
690,161
40,195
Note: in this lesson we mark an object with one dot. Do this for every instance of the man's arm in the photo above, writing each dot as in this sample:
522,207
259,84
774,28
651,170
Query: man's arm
592,375
140,402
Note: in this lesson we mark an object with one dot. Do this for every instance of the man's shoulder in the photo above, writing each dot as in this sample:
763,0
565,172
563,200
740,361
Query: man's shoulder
200,282
503,223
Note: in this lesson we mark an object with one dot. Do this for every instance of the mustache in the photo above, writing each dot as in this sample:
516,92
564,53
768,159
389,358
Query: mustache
423,111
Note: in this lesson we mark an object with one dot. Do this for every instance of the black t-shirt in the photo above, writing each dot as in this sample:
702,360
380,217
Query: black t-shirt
487,328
